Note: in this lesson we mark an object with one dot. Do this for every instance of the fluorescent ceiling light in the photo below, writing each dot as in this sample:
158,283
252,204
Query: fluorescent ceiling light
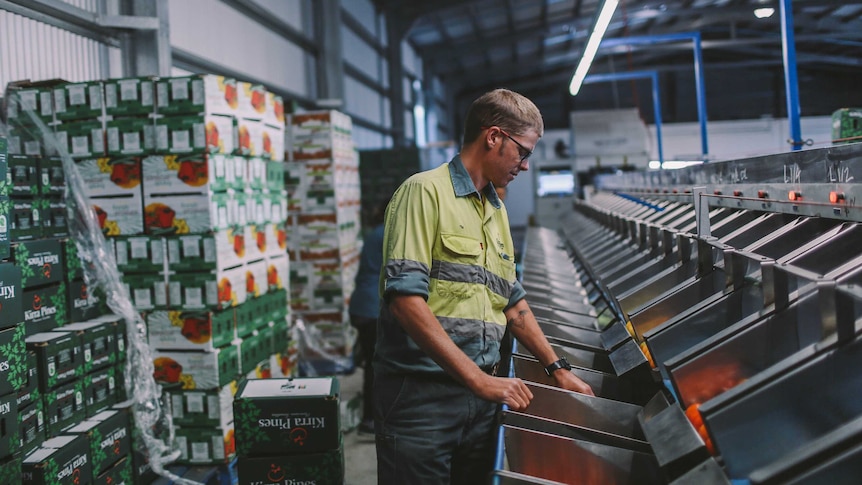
602,21
764,12
673,164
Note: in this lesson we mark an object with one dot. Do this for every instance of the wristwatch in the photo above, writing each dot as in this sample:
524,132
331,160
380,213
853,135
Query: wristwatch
560,364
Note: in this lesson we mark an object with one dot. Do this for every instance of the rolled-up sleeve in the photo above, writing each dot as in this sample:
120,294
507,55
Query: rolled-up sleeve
518,294
411,222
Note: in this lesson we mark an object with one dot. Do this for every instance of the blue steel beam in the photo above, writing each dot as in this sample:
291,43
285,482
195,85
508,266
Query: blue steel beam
700,89
791,83
656,97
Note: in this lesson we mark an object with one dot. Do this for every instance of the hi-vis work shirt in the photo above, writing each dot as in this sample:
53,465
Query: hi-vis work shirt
454,248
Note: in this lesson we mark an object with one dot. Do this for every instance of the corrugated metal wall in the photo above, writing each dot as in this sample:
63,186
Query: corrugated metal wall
34,50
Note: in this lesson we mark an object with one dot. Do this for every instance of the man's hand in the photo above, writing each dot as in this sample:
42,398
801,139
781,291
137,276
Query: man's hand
509,391
567,380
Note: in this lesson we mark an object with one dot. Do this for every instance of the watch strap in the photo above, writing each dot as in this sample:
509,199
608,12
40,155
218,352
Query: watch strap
561,363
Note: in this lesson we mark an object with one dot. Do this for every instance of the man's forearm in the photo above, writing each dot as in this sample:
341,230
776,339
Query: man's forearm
525,328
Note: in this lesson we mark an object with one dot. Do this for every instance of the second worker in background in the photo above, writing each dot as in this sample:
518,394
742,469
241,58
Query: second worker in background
449,291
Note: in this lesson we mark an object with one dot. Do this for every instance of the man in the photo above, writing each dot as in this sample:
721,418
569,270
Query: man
449,290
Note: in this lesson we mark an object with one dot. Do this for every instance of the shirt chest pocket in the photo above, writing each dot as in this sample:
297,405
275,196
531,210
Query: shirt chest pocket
457,271
461,249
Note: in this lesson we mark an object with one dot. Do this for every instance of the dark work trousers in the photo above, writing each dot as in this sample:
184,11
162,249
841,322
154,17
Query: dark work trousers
432,430
367,328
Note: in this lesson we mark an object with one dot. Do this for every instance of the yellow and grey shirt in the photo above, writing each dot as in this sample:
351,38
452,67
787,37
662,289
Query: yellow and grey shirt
454,248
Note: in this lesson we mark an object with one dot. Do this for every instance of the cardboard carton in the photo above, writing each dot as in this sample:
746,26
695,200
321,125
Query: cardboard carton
277,272
81,139
121,473
9,437
25,217
64,407
120,215
250,138
278,417
52,177
206,446
202,409
196,173
98,342
59,355
78,101
130,96
111,176
191,330
31,427
187,214
13,360
197,370
100,390
256,279
220,250
108,437
133,136
138,254
36,98
40,262
44,308
24,174
274,112
272,142
84,301
147,291
196,94
54,222
214,290
252,100
28,392
10,469
59,461
195,134
319,468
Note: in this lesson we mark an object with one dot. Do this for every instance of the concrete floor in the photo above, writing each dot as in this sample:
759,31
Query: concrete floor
360,456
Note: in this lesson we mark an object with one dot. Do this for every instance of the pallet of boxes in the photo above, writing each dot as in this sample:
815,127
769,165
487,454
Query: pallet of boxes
288,431
202,247
322,179
64,353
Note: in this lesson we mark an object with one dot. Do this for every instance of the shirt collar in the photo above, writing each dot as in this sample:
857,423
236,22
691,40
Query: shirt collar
463,184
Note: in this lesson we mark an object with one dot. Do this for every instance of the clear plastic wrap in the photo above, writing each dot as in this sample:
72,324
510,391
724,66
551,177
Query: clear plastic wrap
152,419
325,354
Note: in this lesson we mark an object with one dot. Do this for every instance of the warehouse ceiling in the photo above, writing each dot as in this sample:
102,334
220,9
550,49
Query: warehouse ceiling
533,46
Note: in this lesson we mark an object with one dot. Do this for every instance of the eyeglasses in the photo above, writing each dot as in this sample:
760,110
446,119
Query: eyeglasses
522,150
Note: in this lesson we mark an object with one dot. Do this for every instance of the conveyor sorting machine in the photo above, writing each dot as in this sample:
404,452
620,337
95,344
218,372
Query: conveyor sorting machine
716,312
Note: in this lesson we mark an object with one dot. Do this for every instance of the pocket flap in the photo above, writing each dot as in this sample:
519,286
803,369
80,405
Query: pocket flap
463,245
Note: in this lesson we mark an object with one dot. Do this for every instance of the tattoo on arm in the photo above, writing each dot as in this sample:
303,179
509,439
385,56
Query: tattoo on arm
518,322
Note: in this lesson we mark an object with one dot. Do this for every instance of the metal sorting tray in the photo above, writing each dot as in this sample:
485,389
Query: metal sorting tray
781,410
574,461
604,384
505,477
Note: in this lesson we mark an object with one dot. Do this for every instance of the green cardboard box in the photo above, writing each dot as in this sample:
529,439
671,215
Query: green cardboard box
4,167
119,474
275,417
100,390
197,370
74,266
63,460
191,330
9,437
44,308
81,139
213,290
247,315
98,341
78,101
31,427
203,409
40,261
60,358
219,250
13,360
54,220
26,219
319,468
129,136
206,446
142,472
24,174
52,177
85,302
138,254
11,312
130,96
10,469
200,93
147,291
275,175
29,393
26,96
195,134
28,140
64,407
108,436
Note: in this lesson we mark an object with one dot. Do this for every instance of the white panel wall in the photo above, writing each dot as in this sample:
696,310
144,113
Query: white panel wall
88,5
363,11
412,62
37,51
359,54
366,139
220,34
362,101
288,11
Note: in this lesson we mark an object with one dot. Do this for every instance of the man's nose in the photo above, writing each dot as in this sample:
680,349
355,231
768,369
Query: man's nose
525,165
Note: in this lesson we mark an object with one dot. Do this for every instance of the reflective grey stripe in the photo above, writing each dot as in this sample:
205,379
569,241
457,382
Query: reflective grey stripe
398,266
468,273
469,327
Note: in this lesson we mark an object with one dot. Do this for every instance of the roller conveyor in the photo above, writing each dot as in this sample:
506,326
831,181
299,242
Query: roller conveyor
731,330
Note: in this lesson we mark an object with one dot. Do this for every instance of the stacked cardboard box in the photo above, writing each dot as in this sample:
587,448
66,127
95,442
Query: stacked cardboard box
288,431
322,179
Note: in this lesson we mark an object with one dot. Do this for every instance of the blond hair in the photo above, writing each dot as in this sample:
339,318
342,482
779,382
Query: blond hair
506,109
